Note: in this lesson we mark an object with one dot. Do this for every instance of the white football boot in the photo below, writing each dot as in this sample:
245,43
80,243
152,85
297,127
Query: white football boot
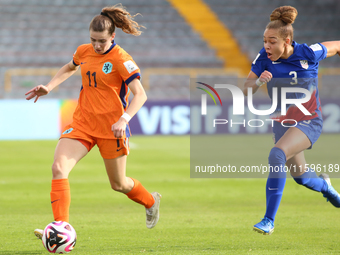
38,233
152,213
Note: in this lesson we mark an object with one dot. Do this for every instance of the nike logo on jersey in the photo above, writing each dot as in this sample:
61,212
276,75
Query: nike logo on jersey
275,63
119,149
54,201
272,188
82,63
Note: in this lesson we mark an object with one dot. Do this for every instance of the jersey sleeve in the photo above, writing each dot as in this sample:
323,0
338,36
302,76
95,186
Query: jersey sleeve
259,63
76,61
316,52
128,69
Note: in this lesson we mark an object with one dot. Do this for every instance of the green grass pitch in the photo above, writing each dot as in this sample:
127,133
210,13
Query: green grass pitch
198,216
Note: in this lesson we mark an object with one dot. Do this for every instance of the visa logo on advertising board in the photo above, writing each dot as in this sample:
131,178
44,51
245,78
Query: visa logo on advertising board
168,119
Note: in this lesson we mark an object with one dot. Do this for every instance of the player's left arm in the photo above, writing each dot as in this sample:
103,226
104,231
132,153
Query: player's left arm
139,98
333,47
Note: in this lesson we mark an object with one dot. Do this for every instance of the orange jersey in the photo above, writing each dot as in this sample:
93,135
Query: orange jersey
104,93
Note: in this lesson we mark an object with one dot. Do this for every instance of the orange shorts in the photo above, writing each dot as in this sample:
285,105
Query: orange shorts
109,148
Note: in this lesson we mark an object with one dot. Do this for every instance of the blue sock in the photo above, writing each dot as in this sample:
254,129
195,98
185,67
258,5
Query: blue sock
310,180
276,181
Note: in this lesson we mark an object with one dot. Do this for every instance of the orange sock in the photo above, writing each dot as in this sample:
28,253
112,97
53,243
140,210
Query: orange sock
60,199
140,195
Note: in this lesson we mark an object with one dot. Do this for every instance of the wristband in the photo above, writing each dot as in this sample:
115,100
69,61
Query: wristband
126,116
259,83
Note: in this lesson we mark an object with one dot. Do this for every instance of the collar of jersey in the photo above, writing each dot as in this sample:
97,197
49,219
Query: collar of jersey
284,60
113,45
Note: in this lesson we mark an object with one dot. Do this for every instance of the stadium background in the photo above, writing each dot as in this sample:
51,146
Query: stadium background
182,40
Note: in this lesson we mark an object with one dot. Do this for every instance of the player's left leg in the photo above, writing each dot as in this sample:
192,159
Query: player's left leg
304,175
116,171
115,165
307,177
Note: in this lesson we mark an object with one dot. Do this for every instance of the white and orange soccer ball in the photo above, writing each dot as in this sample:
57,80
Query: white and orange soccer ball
59,237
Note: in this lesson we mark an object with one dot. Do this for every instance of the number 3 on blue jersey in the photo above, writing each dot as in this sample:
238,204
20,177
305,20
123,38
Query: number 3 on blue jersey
294,78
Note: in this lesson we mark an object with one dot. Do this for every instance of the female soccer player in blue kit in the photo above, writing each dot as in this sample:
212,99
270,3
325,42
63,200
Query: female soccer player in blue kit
296,66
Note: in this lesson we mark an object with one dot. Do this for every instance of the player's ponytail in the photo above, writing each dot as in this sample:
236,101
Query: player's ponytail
287,14
115,16
282,19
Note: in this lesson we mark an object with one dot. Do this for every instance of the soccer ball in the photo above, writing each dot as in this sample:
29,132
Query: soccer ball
59,237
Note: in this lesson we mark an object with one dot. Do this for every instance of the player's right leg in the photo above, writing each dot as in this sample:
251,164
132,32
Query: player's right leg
67,154
289,143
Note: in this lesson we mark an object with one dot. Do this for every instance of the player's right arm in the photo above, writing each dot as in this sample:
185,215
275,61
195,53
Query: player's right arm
254,82
258,74
64,73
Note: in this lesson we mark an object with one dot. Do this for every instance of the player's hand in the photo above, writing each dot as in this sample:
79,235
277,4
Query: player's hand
37,92
119,128
266,76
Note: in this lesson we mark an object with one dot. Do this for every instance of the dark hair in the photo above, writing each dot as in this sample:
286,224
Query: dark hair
115,16
282,19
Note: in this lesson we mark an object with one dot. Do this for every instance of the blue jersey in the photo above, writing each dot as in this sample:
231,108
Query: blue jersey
299,70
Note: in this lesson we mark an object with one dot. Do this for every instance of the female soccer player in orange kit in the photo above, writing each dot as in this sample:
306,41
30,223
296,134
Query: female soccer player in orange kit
102,113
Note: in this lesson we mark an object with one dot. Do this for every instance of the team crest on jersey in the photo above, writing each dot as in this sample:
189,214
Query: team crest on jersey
304,64
107,67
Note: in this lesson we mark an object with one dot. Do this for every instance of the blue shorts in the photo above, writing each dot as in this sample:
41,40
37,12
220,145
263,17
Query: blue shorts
311,128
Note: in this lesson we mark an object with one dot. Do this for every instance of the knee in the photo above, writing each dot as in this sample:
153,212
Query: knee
57,171
119,187
277,155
